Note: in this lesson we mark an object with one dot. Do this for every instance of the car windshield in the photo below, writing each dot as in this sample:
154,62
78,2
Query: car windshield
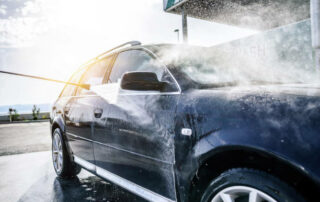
269,57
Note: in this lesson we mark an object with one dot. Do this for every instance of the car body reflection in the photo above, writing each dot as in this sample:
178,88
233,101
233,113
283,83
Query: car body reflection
89,189
84,188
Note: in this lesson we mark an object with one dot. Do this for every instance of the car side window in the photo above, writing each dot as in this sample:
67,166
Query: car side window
70,89
134,60
94,75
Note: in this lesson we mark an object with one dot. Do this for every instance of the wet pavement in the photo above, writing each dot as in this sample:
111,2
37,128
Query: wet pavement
30,177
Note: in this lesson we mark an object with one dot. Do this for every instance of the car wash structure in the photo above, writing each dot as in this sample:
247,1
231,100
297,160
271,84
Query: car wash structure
253,14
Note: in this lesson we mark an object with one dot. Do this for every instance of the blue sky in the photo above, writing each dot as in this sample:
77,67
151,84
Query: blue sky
52,38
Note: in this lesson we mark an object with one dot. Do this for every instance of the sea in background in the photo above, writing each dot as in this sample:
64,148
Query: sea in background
24,108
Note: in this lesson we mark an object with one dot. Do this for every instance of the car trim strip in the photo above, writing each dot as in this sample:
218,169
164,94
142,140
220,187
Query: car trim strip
140,191
130,186
84,163
113,147
134,153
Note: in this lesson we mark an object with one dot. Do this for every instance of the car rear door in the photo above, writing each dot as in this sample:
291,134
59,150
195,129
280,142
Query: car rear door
81,112
134,138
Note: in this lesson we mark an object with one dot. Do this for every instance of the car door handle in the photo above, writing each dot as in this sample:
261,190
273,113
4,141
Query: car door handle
98,113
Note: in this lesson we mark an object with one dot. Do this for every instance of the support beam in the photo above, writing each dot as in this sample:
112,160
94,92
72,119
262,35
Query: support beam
184,25
315,28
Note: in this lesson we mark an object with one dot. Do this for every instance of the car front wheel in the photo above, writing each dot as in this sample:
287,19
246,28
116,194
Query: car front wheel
62,164
248,185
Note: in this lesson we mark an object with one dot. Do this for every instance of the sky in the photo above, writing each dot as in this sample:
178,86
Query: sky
53,38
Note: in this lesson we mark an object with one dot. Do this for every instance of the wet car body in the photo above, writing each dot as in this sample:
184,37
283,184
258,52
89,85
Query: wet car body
139,141
271,128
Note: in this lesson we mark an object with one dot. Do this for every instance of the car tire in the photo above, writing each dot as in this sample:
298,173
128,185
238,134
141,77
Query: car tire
62,163
240,184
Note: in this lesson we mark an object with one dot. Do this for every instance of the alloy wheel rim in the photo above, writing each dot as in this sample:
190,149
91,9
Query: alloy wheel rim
57,156
242,194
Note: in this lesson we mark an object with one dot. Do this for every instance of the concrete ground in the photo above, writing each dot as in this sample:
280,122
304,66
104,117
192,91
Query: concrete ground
18,138
28,175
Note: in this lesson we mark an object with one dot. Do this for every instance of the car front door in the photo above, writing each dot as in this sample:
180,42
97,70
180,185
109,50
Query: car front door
81,113
134,139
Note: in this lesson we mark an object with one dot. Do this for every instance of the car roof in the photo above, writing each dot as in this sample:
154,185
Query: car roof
156,48
160,49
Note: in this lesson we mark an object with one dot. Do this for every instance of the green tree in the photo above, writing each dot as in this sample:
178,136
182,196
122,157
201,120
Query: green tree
35,112
13,114
10,114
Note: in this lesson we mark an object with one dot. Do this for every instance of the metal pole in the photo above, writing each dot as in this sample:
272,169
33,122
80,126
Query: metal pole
315,30
177,30
184,25
86,86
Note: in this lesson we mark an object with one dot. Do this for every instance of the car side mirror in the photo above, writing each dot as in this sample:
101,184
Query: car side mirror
141,81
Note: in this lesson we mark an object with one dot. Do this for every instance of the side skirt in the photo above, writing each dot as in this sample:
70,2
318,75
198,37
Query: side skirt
126,184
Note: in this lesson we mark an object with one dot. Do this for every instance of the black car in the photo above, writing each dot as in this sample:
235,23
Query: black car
154,125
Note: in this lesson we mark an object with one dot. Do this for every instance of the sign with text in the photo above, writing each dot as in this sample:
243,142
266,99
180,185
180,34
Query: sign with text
167,4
